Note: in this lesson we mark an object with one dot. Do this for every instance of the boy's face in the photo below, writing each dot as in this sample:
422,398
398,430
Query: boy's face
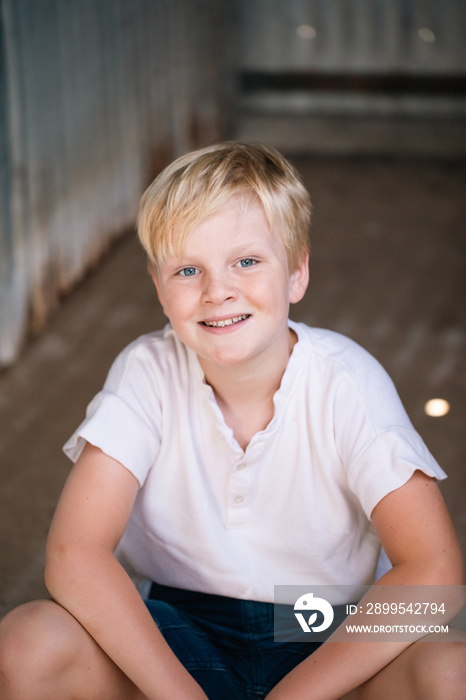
227,295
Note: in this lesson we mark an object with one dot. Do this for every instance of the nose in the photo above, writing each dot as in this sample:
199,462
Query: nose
218,288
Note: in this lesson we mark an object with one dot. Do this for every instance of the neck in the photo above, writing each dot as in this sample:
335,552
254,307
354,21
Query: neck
251,382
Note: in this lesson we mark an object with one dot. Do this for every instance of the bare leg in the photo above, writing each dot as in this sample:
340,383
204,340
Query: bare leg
45,654
424,671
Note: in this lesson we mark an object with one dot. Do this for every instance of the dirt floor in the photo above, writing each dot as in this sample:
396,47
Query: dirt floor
387,269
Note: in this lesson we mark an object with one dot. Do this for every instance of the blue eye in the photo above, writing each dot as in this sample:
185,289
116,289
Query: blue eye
247,262
188,271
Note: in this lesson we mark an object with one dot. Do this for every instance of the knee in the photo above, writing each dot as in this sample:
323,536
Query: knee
32,646
440,671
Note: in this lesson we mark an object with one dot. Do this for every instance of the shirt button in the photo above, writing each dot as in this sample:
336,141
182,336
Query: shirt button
241,465
238,499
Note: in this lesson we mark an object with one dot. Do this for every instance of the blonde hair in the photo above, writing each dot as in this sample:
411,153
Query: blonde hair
200,183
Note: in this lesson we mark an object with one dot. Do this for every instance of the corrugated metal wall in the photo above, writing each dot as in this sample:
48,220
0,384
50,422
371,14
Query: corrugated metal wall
363,36
408,56
95,96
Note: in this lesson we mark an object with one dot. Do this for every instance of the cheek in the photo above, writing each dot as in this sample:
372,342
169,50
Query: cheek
274,295
263,287
178,305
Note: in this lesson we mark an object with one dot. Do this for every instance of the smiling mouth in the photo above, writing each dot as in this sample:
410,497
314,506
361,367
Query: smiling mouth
226,322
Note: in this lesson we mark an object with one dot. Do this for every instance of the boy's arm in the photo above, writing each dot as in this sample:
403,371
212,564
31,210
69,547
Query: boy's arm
85,578
416,532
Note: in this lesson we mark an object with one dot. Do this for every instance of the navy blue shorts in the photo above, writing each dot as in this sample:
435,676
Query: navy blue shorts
226,644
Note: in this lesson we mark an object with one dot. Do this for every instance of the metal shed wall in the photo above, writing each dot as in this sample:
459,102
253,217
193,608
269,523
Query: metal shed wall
355,36
95,97
355,57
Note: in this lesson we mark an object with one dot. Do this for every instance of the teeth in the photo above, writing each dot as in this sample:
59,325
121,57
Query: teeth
226,322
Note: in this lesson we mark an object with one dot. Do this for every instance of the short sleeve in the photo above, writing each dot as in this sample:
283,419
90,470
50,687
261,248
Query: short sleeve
387,463
123,419
376,440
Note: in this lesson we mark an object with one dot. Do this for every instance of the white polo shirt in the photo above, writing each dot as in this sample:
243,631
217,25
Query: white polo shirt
294,507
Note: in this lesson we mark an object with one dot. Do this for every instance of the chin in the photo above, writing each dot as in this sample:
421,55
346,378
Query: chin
225,359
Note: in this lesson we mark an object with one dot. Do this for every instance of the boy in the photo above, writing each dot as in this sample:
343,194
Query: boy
233,451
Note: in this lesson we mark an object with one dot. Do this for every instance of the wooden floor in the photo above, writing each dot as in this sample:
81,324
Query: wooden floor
387,269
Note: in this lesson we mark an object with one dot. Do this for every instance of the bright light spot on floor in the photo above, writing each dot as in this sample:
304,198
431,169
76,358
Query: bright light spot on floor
437,407
426,35
305,31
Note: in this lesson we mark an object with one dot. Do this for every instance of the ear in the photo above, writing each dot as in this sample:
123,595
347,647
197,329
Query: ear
299,279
